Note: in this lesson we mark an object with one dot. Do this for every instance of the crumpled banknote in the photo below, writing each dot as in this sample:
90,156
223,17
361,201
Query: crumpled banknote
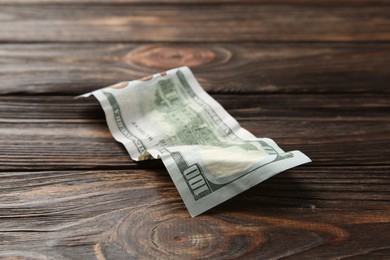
208,155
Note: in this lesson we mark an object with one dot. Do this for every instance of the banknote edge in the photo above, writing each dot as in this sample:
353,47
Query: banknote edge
197,207
113,127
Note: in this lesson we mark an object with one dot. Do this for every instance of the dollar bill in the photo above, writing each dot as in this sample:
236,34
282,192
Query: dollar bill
208,155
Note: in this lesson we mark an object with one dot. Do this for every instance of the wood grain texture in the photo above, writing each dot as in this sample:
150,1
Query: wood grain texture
46,132
313,75
73,69
200,23
121,214
209,2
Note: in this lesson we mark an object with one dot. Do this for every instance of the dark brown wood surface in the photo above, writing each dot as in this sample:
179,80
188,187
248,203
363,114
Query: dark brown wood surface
76,68
312,75
195,23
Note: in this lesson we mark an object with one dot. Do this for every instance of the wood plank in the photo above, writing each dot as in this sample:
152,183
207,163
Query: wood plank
90,146
256,107
61,133
120,214
200,23
209,2
70,191
72,69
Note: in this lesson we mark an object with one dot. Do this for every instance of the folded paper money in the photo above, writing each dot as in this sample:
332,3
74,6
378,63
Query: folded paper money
208,155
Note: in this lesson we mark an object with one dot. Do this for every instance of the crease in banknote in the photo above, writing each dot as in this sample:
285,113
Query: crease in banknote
208,155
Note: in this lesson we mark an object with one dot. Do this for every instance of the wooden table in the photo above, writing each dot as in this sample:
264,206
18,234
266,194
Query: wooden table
313,75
